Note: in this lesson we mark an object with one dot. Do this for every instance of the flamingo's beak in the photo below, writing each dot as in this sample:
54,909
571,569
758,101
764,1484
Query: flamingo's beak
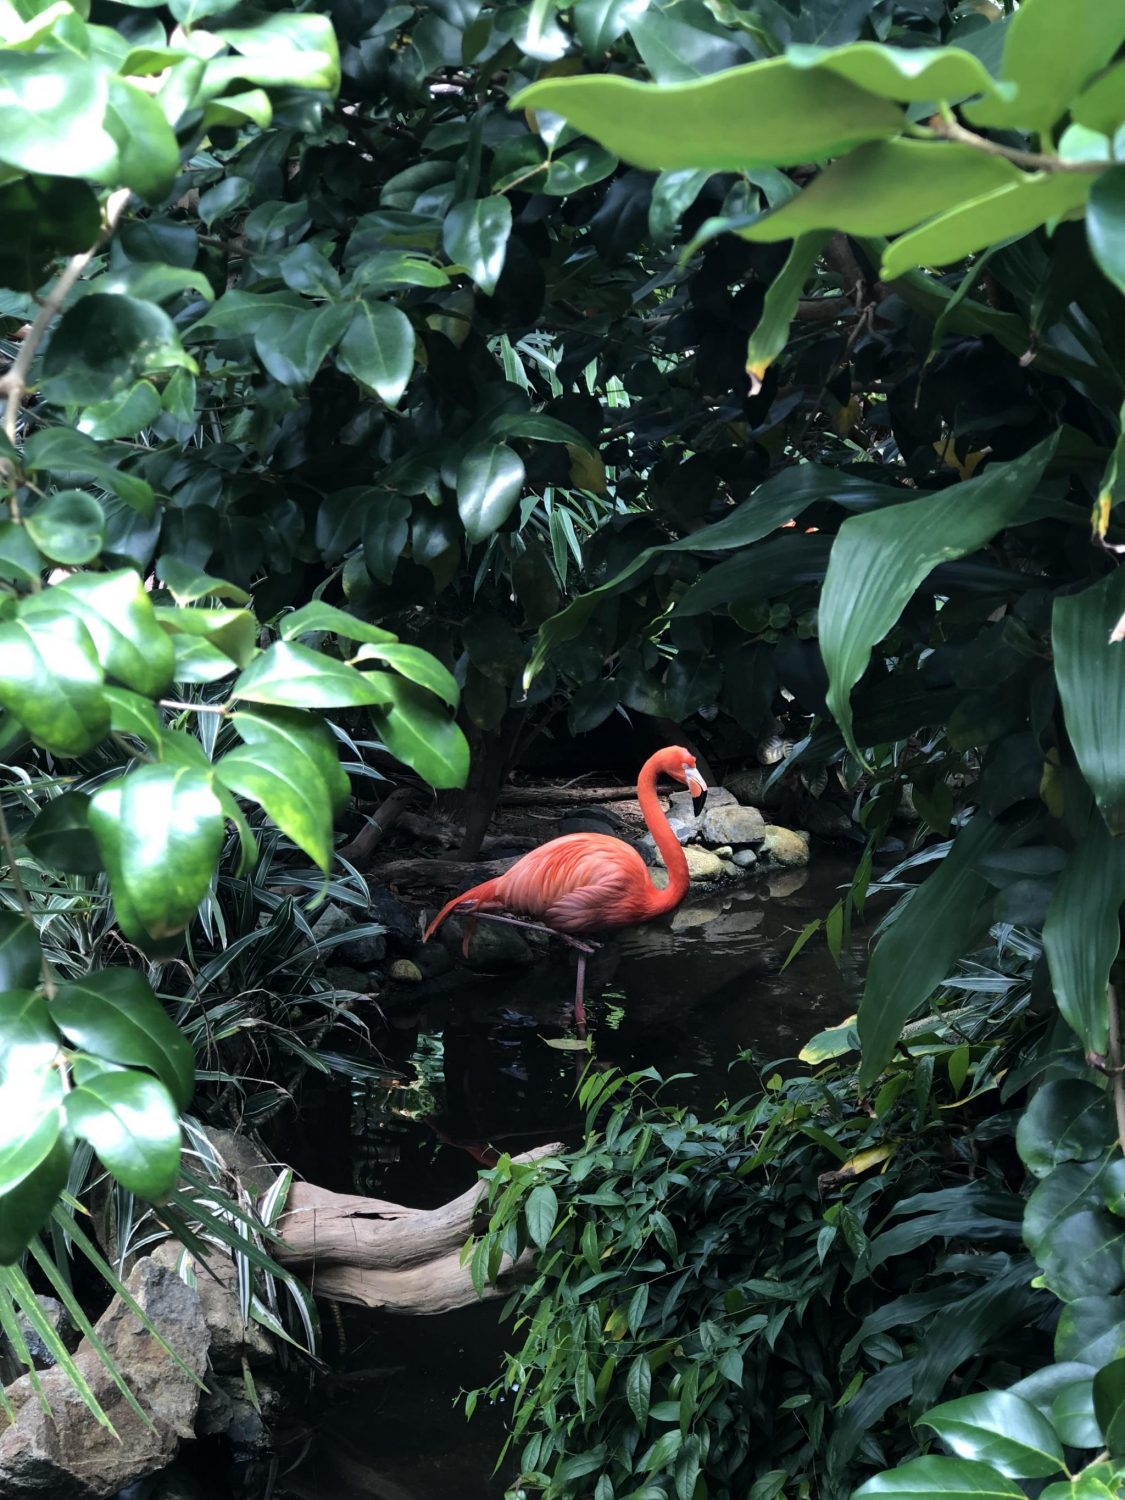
698,788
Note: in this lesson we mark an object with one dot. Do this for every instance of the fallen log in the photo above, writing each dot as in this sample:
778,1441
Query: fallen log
546,796
372,1253
440,874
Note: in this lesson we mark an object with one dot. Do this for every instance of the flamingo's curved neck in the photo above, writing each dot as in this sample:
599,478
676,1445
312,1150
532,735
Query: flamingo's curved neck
673,856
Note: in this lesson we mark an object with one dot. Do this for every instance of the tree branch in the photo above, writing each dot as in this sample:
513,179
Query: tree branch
1035,161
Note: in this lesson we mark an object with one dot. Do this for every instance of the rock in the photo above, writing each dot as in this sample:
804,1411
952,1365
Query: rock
68,1455
41,1357
404,971
391,914
745,859
498,946
216,1282
730,869
433,960
702,864
344,977
240,1154
733,825
781,883
906,812
360,953
698,914
748,788
784,846
227,1411
828,820
172,1485
680,808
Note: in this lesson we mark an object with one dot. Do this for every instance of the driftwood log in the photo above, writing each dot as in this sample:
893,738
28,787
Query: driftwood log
376,1254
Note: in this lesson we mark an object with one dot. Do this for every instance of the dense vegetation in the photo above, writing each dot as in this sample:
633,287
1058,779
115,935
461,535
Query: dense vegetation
386,378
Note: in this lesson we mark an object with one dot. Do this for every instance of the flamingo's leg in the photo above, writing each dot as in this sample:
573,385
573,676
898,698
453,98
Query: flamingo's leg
579,996
467,937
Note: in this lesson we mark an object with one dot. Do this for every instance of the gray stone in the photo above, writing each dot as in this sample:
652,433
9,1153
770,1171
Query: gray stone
680,808
67,1455
360,953
702,864
499,946
724,851
216,1282
256,1172
730,869
344,977
749,788
745,859
733,825
784,846
383,908
405,971
433,960
227,1411
828,820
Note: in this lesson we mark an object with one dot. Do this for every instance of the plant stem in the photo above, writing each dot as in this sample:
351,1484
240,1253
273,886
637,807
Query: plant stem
1035,161
14,383
1116,1076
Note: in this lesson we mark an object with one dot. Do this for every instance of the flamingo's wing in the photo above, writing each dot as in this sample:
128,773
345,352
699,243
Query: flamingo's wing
583,882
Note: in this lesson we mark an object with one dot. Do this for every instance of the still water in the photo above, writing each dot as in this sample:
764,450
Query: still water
685,996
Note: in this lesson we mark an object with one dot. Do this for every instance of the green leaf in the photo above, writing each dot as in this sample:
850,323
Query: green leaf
541,1212
1073,1417
418,731
490,479
1088,666
908,74
879,560
920,947
125,414
1082,931
29,1042
104,343
417,666
53,105
20,956
936,1477
282,49
1084,1486
580,168
475,235
130,1120
599,23
234,632
1091,1329
378,349
1004,214
1070,1189
113,1013
293,345
187,585
289,766
159,832
25,1208
197,660
1067,1120
20,559
30,1122
1082,1256
52,682
68,527
1105,224
60,836
638,1389
771,333
148,153
1109,1405
116,609
224,198
386,527
884,188
293,676
319,616
763,114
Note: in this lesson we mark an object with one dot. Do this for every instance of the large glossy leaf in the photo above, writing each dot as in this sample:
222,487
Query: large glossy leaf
289,766
417,729
148,153
319,616
490,480
1073,1416
281,49
117,611
1067,1120
1105,224
475,235
879,560
1109,1405
25,1208
68,527
378,349
386,528
940,1478
287,675
130,1120
417,666
1091,1329
768,571
763,114
234,632
30,1121
159,831
293,345
60,835
54,105
771,332
600,22
105,343
909,74
1074,1187
28,1040
919,948
1088,666
113,1013
52,682
1082,931
999,1429
20,955
1083,1256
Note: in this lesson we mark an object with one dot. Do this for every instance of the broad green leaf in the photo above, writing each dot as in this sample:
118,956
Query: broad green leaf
293,345
599,23
293,676
126,413
113,1013
30,1121
920,947
148,153
771,332
998,1429
1083,1256
541,1212
417,666
386,528
490,480
43,217
1067,1120
52,682
196,660
579,168
224,198
1084,1486
318,616
159,831
1099,106
1088,666
130,1120
475,235
417,729
1073,1416
378,349
1082,931
1003,214
386,269
282,49
879,560
884,188
60,836
306,269
20,955
1109,1405
234,632
53,106
188,585
638,1388
592,704
105,343
29,1042
68,527
20,559
117,611
25,1208
1091,1329
1105,224
763,114
908,74
289,766
1069,1189
936,1477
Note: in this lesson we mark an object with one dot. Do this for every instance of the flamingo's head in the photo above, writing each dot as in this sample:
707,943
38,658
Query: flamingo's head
680,765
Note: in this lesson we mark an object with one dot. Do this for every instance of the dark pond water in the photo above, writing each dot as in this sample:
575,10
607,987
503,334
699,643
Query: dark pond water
685,996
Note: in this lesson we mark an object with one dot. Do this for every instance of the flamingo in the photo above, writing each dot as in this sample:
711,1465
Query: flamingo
585,883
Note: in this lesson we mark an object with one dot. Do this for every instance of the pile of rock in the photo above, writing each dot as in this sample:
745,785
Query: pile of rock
728,838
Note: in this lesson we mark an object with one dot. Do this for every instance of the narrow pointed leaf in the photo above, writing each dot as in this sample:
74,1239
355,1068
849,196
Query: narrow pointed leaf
1090,668
1082,932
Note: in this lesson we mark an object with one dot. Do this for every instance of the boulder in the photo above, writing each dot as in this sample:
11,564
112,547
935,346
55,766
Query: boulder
828,820
745,859
67,1454
680,808
216,1282
697,914
702,864
383,908
404,971
749,788
498,946
784,846
733,825
42,1358
361,953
